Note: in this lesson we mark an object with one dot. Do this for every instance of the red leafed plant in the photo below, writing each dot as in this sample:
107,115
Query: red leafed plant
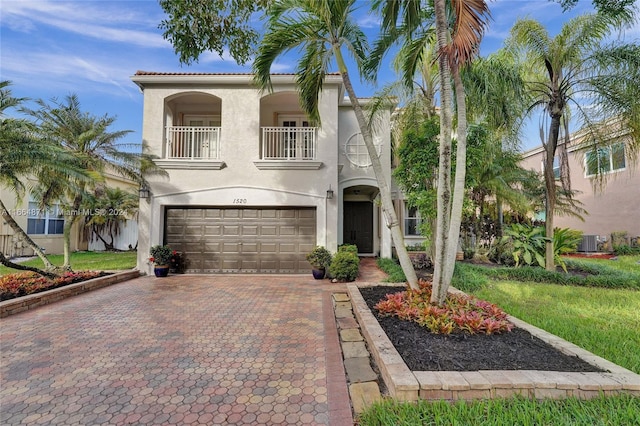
460,313
23,283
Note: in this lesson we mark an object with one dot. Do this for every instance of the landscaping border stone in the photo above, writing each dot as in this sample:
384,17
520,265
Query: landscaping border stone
407,385
32,301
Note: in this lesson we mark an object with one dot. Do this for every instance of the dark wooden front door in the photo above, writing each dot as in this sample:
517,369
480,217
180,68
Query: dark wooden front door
358,225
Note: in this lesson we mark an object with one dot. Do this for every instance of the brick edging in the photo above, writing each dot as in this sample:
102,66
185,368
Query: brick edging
32,301
408,385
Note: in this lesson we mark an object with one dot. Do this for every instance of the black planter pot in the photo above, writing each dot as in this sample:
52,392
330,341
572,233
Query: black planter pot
161,271
318,274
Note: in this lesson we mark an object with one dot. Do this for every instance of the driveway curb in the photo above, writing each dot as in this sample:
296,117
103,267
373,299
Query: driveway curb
32,301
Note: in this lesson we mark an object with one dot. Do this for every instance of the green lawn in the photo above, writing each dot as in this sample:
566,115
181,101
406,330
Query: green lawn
619,410
86,260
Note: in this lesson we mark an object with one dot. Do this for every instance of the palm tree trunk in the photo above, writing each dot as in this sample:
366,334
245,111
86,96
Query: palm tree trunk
385,192
550,193
66,232
48,266
9,264
444,165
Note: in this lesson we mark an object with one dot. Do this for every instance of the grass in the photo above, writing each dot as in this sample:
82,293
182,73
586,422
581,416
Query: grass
86,261
603,321
618,410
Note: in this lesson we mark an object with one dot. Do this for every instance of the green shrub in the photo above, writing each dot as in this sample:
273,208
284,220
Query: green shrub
566,240
351,248
625,250
502,252
393,269
344,266
618,238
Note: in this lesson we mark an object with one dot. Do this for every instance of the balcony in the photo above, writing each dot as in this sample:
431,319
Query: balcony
192,147
288,148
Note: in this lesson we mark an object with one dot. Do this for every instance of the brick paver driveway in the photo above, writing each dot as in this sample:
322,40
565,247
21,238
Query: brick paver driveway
179,350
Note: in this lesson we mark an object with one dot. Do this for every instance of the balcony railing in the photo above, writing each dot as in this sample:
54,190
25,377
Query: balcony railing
193,143
288,143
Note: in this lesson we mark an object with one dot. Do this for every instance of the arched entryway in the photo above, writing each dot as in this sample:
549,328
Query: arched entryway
360,217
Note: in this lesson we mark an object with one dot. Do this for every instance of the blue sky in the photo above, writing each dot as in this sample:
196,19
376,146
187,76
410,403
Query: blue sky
92,48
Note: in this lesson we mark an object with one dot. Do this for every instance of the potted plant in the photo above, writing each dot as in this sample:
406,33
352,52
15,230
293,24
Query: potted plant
161,257
320,259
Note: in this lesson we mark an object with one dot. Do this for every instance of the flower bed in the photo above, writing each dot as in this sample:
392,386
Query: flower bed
24,283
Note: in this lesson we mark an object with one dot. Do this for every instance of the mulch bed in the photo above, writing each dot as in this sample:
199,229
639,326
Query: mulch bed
425,351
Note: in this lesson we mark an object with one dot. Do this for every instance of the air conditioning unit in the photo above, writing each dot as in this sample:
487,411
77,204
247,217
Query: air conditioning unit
588,244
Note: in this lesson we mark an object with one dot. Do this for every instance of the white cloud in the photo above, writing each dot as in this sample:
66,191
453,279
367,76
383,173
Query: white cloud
97,20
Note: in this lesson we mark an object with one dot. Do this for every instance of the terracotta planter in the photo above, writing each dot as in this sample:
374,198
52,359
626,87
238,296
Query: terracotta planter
161,270
318,274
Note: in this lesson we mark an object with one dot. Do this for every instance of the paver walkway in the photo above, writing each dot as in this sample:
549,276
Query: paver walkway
178,350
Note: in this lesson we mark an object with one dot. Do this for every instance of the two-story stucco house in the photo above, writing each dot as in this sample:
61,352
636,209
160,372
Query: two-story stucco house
613,204
253,185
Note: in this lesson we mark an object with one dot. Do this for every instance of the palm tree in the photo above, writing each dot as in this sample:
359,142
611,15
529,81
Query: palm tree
568,69
456,46
322,29
109,208
94,149
23,155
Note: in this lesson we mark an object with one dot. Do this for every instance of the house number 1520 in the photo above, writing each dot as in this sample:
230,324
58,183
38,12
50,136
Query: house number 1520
239,201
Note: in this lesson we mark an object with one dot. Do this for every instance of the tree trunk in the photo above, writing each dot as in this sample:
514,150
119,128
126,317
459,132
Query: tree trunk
550,193
107,246
48,266
385,191
441,262
9,264
68,224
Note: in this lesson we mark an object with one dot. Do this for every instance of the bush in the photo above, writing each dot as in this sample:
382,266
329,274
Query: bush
625,250
24,283
344,266
502,252
350,248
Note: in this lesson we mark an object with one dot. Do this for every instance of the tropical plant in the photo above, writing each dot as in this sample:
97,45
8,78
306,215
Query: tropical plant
528,243
457,41
23,155
322,30
108,209
319,257
94,148
563,71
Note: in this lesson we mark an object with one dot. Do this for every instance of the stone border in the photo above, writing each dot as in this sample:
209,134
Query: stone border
407,385
32,301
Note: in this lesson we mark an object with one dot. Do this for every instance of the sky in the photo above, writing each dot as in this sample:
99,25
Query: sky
91,48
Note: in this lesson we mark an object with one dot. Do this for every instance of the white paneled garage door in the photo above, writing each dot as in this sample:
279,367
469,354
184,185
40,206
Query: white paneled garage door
242,240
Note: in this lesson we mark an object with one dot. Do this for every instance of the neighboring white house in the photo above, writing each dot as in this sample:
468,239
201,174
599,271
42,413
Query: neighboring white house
613,206
44,226
253,185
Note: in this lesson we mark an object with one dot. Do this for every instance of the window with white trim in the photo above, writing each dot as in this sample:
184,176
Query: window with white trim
412,221
605,159
44,222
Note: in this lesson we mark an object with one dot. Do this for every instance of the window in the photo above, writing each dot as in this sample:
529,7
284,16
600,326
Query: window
556,167
412,221
44,222
605,159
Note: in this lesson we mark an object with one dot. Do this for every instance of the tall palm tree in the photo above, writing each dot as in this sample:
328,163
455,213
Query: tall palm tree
573,68
94,148
23,155
459,26
322,29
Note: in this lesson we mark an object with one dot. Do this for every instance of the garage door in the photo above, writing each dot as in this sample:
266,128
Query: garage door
242,240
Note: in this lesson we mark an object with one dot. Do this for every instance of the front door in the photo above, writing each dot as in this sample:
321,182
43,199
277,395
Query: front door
358,225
